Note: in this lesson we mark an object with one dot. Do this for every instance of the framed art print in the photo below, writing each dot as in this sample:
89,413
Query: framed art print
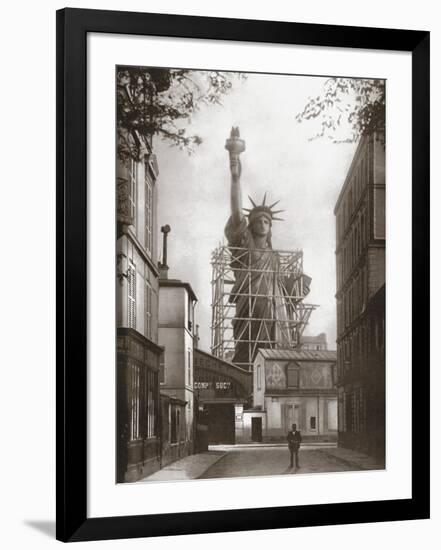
242,274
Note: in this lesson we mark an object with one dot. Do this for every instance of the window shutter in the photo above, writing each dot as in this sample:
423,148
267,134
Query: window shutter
131,298
148,309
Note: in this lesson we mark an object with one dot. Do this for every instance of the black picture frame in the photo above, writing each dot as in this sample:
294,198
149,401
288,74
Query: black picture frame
71,429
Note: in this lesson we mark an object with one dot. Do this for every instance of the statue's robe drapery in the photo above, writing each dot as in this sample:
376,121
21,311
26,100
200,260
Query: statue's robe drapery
261,317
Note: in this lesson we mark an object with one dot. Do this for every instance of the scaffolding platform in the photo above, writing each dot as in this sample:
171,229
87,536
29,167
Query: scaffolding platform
257,302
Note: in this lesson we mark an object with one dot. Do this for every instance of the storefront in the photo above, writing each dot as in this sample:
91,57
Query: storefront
138,411
221,390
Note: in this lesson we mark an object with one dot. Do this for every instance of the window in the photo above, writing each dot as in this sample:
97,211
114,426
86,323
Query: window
259,377
362,233
132,173
173,425
344,263
148,309
190,314
348,411
312,422
334,374
162,368
292,376
355,411
363,172
148,205
347,358
189,367
362,411
131,296
134,393
363,287
150,405
362,346
337,229
356,247
344,413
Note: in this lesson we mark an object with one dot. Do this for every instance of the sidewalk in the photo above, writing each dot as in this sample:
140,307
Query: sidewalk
190,467
351,457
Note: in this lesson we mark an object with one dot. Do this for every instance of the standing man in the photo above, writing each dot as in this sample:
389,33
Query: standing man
294,439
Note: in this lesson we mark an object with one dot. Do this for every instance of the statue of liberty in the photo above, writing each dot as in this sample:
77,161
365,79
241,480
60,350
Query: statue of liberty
262,312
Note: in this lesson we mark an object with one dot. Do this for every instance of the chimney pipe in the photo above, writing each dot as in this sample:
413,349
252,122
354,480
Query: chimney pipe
163,267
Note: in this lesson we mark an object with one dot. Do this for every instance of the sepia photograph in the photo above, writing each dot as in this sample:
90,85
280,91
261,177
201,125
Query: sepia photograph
250,274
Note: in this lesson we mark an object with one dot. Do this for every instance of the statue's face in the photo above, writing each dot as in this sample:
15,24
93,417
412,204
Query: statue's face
261,226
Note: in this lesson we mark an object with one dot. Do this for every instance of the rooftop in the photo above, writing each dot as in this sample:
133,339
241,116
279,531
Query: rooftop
176,283
223,361
313,339
298,355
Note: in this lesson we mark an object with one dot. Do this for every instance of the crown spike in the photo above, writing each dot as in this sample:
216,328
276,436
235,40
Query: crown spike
277,211
264,199
252,202
279,219
274,204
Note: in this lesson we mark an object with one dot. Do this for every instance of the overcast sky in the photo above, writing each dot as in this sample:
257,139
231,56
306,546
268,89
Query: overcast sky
305,175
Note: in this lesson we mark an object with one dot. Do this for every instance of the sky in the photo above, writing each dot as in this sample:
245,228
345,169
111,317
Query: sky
280,159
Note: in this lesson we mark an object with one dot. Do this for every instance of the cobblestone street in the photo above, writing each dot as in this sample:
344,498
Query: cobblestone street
254,461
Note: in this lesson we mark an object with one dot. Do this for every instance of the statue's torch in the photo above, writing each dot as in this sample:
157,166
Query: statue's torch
235,146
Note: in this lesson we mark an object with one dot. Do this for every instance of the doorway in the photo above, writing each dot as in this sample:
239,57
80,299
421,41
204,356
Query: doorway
292,416
256,429
221,428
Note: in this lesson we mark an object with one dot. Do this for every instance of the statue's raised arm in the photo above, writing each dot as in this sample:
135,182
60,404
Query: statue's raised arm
235,146
262,299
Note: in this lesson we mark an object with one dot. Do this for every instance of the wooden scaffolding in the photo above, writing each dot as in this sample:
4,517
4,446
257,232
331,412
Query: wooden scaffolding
284,320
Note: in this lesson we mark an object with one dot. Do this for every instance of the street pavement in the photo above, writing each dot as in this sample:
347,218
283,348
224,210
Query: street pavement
227,461
262,461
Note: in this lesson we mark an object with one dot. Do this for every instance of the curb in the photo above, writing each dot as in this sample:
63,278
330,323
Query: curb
212,464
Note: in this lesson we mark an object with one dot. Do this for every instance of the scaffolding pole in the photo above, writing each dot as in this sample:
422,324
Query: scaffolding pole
256,308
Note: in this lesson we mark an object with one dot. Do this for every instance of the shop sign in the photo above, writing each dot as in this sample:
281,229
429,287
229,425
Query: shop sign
219,385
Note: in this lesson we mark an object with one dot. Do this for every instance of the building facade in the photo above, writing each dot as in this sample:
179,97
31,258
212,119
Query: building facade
176,334
314,343
360,263
137,290
294,387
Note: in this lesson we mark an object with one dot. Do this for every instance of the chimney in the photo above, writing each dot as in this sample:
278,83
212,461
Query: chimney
163,267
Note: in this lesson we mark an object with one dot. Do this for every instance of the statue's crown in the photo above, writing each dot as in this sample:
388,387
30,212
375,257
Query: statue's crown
264,209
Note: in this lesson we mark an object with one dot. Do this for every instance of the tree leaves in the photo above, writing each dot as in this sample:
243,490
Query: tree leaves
359,102
155,101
